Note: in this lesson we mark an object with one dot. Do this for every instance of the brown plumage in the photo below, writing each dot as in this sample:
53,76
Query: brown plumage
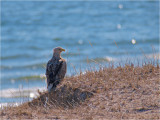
56,69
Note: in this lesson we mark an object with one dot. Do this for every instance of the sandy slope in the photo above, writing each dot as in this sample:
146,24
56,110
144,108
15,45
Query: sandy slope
111,93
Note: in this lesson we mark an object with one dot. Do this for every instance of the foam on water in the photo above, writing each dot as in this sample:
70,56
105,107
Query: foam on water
20,93
3,105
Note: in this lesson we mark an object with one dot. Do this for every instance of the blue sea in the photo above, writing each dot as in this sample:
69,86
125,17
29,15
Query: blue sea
93,33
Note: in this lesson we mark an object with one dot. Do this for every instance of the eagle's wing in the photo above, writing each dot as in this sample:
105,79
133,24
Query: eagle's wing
51,70
62,70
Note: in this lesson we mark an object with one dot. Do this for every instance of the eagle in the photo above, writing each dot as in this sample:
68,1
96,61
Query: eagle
55,69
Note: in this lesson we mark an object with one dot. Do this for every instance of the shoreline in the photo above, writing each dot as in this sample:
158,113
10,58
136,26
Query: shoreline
109,93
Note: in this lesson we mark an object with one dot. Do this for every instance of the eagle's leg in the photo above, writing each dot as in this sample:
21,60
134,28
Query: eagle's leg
52,86
55,83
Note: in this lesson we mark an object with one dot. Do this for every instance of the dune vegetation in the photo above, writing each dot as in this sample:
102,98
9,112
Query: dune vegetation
128,92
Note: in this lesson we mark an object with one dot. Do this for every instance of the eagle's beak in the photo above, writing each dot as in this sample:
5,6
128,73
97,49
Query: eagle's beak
63,49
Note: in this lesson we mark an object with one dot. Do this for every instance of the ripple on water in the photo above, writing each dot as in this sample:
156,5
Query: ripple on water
15,56
30,66
57,39
31,77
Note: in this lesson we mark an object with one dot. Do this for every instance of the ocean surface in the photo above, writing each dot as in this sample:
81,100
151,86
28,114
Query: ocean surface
95,33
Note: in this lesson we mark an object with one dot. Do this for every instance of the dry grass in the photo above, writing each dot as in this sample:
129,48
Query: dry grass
111,93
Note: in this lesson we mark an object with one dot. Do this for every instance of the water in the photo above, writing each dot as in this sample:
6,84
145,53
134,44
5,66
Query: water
89,31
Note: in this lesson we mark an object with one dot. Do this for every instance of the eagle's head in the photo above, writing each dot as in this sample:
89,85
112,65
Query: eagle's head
57,51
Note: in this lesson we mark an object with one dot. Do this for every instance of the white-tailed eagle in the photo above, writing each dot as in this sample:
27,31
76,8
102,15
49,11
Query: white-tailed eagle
56,69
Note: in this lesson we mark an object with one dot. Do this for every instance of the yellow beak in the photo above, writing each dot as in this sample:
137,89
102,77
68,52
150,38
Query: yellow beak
63,49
